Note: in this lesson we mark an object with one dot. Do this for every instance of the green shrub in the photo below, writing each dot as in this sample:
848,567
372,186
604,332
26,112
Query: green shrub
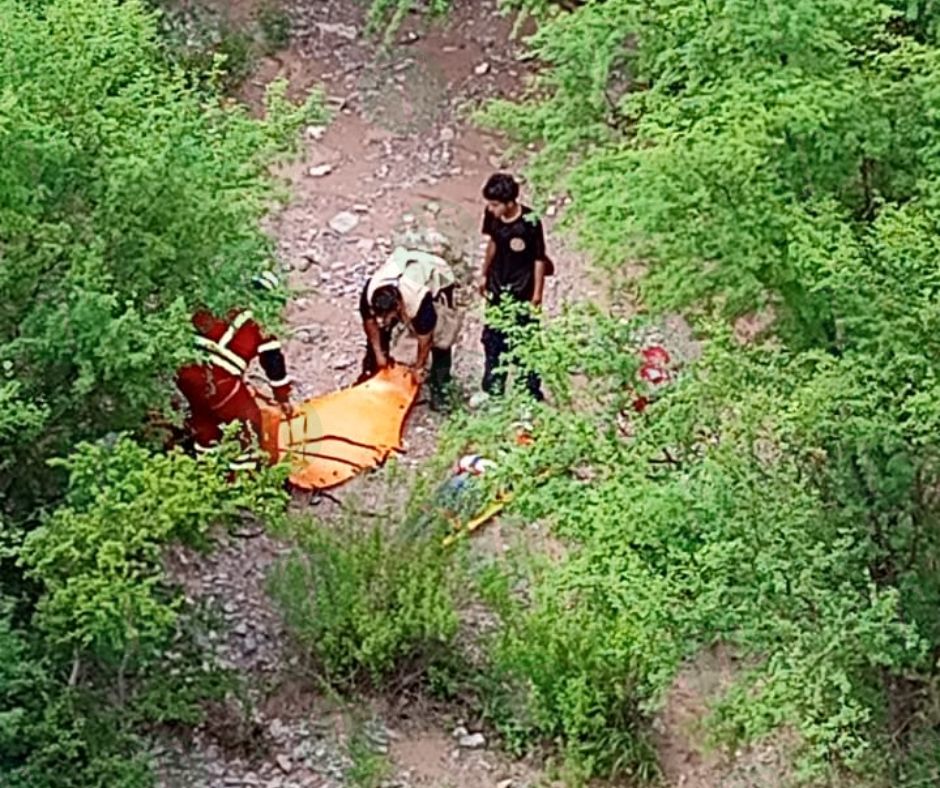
386,16
113,167
275,25
779,498
367,607
98,556
113,164
710,523
111,648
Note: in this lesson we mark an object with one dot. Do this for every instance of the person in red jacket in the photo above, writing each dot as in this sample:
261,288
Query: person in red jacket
216,390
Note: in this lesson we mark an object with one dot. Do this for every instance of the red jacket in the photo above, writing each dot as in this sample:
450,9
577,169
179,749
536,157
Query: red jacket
231,343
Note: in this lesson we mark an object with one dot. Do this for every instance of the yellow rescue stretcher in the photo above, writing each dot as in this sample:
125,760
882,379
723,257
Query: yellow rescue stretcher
331,438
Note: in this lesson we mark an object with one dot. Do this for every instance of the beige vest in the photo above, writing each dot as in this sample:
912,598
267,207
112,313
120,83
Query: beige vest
415,274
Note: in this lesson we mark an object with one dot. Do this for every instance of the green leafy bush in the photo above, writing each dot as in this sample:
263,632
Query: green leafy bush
107,619
367,607
780,498
98,556
387,15
130,194
114,166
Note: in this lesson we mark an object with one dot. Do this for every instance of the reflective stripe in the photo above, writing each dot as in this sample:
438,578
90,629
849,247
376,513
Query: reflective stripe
237,322
268,280
219,361
240,319
225,358
219,351
282,382
201,449
215,347
264,347
244,465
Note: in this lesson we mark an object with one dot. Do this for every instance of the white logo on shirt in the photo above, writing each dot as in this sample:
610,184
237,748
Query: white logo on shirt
517,244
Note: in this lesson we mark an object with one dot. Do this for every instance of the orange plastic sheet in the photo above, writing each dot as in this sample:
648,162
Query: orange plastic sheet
332,438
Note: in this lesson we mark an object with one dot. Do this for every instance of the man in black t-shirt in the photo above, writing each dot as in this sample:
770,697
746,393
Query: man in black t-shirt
514,269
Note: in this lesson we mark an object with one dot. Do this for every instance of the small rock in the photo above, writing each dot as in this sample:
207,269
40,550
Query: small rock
338,29
344,222
277,729
447,134
315,132
481,69
473,741
240,629
459,732
477,400
320,170
505,783
361,208
433,208
365,245
284,763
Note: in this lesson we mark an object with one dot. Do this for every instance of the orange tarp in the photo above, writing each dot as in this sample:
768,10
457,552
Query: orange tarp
332,438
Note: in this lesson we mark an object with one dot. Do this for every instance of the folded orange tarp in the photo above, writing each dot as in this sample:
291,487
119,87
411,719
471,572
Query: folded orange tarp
332,438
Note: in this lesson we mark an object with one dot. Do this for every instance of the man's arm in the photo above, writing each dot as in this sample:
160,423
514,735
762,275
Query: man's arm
487,265
539,288
421,359
272,362
374,335
423,325
543,265
371,326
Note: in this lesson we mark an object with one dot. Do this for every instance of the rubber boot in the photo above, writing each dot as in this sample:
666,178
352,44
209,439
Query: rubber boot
439,380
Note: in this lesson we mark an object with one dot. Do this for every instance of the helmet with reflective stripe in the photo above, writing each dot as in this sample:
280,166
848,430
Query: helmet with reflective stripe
267,280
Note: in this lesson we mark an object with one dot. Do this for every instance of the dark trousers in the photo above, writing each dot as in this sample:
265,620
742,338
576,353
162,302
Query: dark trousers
441,362
496,345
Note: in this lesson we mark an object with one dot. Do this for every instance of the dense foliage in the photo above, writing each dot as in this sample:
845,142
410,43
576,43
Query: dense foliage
367,608
113,170
129,195
782,497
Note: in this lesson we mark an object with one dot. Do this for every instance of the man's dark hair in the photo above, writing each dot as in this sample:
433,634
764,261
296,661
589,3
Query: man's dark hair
384,300
501,187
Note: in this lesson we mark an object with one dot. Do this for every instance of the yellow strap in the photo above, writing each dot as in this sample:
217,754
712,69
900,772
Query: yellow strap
484,516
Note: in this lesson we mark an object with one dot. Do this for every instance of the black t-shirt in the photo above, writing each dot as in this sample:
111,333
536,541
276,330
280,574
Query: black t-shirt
518,245
424,322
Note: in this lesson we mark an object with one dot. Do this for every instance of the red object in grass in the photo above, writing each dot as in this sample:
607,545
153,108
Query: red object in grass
656,356
654,375
654,372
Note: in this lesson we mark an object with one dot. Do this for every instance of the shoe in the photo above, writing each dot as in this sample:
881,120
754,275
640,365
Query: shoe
478,399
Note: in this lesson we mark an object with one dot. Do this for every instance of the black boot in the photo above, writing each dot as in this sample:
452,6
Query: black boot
439,381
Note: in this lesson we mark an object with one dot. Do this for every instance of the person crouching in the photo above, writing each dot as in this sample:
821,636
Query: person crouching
415,289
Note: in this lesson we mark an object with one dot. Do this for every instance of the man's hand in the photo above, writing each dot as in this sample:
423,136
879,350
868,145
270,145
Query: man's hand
382,360
420,374
287,409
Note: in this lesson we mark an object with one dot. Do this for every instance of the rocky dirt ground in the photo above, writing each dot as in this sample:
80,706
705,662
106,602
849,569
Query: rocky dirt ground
398,160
